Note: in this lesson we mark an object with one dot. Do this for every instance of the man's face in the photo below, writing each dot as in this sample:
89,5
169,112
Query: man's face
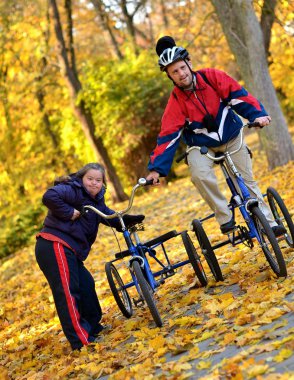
180,73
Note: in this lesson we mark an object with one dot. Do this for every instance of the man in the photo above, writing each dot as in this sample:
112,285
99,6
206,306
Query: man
203,108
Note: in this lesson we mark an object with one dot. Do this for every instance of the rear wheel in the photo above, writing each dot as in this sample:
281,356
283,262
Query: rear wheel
194,258
268,243
146,292
119,292
281,214
207,250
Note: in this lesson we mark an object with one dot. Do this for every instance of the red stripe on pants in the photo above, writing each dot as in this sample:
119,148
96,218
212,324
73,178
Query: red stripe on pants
64,275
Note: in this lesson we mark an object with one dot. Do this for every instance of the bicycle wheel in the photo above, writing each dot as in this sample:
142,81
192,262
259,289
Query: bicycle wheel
146,292
194,258
207,250
269,243
281,214
120,294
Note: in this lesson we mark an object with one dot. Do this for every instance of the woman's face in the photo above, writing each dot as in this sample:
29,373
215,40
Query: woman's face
93,181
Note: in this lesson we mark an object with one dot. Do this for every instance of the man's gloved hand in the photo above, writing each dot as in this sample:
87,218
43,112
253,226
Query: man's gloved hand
131,220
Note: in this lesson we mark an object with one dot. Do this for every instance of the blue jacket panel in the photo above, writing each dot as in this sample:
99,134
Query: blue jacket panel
81,233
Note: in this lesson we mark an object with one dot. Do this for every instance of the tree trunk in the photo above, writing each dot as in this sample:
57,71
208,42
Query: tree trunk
244,36
106,24
164,13
40,94
266,22
81,111
129,22
69,40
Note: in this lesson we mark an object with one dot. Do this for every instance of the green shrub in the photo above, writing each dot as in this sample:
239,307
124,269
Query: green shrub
19,231
127,99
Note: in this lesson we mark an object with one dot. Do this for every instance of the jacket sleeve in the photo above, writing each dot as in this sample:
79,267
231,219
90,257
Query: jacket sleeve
58,200
241,101
168,140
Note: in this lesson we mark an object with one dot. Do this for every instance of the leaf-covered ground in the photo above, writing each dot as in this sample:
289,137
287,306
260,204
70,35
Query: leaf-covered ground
241,328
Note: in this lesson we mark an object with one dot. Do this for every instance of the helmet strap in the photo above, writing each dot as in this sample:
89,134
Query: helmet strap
193,83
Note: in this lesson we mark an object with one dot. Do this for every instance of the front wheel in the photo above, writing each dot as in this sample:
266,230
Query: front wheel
268,243
281,214
194,258
146,292
207,250
119,292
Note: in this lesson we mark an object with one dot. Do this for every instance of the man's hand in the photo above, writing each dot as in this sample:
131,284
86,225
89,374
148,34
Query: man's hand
263,120
155,176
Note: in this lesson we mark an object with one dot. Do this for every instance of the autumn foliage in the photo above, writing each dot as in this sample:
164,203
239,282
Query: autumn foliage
41,137
241,328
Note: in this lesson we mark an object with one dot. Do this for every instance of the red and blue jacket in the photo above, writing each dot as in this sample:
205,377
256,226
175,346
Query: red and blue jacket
79,234
217,94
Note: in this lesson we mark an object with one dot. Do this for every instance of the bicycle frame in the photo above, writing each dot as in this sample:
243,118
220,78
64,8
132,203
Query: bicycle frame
242,199
134,251
137,250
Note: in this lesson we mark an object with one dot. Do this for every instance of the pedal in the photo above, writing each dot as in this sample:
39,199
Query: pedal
240,235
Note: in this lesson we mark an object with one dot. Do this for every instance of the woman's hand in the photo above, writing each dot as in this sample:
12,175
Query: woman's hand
76,214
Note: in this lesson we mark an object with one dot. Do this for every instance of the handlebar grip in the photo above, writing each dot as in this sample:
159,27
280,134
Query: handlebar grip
181,157
83,210
145,182
254,124
149,182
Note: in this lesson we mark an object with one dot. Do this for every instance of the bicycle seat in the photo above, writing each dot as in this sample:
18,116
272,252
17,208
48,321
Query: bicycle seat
132,220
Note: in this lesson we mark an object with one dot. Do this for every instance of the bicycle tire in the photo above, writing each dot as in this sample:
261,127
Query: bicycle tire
117,287
264,230
194,258
276,202
146,292
207,250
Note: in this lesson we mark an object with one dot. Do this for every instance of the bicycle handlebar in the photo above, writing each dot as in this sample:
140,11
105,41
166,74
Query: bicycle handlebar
254,124
204,149
118,214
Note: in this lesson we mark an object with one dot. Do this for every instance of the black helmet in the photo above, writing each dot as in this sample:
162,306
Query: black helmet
168,52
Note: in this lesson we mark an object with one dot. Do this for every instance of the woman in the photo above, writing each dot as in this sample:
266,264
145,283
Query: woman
64,244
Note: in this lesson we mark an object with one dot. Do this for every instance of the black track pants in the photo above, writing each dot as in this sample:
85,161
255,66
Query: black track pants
73,291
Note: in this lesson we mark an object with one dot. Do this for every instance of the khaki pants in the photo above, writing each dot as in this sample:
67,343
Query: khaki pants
204,178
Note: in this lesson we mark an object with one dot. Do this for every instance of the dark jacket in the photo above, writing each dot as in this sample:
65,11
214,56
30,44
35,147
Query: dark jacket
81,233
